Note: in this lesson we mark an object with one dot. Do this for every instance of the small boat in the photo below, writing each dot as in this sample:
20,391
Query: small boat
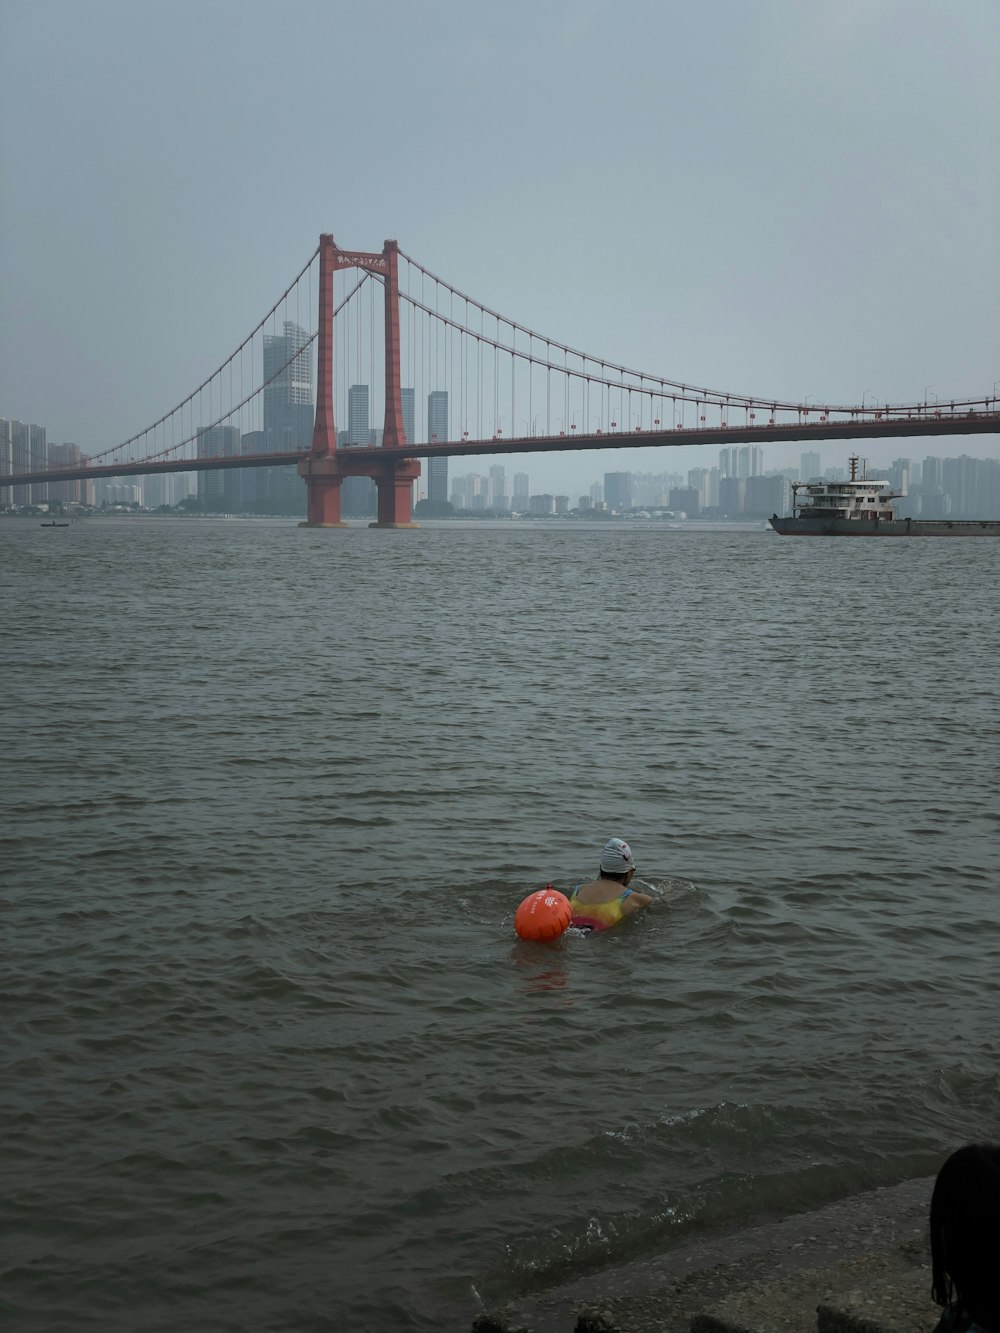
861,507
54,524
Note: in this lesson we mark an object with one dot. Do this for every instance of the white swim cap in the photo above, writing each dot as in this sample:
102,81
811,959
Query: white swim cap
617,857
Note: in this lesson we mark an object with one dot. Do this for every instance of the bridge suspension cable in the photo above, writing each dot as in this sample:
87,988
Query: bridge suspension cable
236,365
629,383
481,376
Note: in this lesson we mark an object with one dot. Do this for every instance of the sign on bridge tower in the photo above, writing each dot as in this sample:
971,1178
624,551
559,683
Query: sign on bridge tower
326,467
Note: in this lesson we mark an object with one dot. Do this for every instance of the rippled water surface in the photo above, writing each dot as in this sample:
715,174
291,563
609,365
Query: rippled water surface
273,1057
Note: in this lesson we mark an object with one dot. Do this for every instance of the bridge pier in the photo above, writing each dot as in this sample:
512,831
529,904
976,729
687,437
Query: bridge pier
324,476
323,479
395,494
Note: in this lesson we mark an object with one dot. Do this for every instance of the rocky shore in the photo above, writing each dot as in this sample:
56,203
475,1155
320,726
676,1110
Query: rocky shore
861,1265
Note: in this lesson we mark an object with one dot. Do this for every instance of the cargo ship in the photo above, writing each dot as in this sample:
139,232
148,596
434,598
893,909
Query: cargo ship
862,507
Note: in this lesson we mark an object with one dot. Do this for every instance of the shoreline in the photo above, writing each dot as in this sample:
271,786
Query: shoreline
860,1265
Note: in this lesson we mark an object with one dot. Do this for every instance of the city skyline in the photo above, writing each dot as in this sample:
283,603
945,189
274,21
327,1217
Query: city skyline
742,480
781,236
932,487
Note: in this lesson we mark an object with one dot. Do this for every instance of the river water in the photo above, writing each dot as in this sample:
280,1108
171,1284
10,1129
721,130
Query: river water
273,1057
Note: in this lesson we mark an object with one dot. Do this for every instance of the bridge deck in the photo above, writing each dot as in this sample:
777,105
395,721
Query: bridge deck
971,423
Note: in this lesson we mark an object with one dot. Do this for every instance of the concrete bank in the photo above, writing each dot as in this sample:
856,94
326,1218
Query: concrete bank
861,1265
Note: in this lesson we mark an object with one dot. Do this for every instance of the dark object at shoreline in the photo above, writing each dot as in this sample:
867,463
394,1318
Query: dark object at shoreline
965,1238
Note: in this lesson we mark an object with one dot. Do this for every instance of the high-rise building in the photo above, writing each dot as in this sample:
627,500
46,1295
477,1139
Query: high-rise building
932,472
288,416
686,500
470,491
357,494
358,415
698,479
119,490
499,495
251,442
67,492
6,459
728,462
961,479
751,461
25,447
618,490
219,492
732,493
155,490
39,453
810,467
899,476
765,496
409,404
437,429
519,497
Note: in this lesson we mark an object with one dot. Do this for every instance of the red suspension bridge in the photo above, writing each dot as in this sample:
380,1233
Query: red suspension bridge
514,390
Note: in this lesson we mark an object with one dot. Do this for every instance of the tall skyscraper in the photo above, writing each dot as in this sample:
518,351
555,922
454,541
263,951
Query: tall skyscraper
409,404
252,442
469,491
499,495
965,480
6,459
154,490
288,416
23,449
751,461
765,496
810,467
519,499
698,481
899,476
358,415
219,492
437,429
618,490
932,472
357,494
732,495
67,492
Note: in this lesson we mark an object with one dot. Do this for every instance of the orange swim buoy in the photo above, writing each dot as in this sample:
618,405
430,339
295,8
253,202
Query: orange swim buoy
543,915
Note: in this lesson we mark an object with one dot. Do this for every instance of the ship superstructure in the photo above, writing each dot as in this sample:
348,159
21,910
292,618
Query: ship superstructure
858,498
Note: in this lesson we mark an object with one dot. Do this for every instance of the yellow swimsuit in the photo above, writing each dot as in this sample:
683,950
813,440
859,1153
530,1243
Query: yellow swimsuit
597,916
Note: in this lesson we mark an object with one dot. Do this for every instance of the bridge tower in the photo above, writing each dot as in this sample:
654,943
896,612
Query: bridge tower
326,467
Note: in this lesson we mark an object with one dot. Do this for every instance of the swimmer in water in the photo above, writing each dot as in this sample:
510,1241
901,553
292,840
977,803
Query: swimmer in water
603,902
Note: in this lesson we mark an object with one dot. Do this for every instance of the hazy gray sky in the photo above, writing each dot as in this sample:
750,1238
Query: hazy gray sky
780,197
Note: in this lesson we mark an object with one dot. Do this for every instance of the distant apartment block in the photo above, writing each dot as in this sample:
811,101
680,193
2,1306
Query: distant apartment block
618,490
437,429
219,491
